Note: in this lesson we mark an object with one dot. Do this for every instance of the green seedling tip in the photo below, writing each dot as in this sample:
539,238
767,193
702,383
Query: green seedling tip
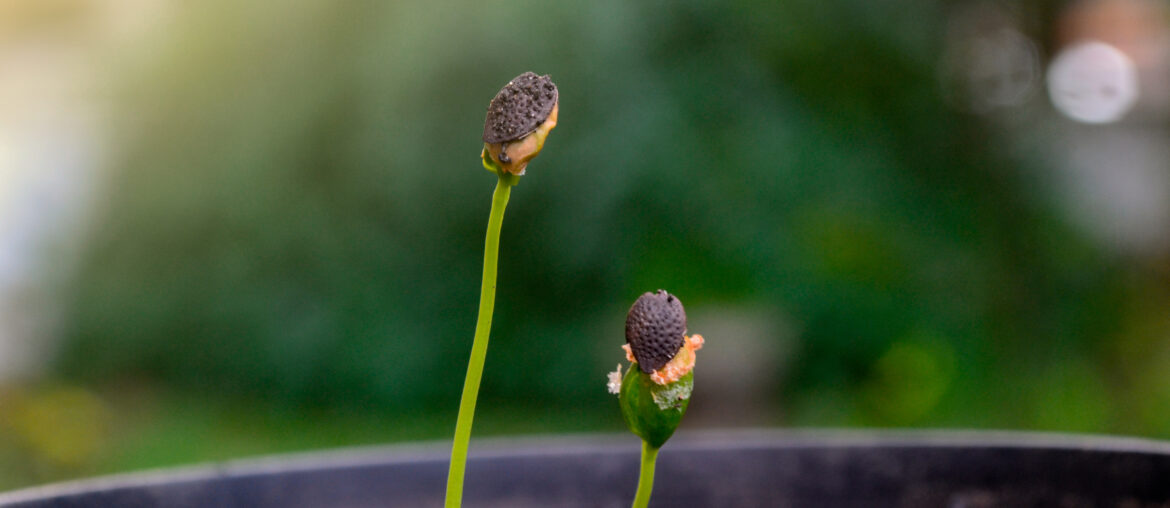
653,411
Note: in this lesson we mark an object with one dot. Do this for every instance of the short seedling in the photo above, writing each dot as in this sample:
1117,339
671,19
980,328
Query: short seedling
519,119
656,389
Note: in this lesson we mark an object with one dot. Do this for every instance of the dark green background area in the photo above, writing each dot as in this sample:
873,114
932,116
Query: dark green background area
296,223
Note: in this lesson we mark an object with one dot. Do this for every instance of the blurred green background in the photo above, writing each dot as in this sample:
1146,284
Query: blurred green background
284,243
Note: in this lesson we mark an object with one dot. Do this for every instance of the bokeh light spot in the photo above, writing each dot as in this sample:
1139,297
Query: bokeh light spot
1093,82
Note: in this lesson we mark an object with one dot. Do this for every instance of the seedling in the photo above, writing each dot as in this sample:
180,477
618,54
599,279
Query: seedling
656,389
518,120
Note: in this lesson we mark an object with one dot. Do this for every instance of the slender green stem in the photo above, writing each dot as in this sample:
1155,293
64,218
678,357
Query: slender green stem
646,478
483,327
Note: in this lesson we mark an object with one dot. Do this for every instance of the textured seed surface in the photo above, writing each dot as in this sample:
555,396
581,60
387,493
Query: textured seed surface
520,107
654,329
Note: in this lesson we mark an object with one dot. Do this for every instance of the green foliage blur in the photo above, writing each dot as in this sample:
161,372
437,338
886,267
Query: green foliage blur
297,212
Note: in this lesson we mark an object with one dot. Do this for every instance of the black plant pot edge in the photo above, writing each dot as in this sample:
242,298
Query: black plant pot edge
582,444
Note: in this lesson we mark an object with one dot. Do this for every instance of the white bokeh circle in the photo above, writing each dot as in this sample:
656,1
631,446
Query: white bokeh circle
1093,82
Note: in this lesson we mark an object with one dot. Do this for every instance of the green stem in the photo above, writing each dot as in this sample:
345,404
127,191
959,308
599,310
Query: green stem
646,478
483,326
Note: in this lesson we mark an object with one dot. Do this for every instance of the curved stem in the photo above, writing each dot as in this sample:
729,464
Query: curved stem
646,477
483,326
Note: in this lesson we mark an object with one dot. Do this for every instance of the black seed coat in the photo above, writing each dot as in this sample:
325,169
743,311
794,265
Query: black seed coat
654,329
520,107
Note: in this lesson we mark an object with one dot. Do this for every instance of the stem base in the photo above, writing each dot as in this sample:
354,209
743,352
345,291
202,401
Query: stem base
479,345
646,476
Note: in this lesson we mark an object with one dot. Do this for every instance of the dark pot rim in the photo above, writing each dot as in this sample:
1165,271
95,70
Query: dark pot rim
560,446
